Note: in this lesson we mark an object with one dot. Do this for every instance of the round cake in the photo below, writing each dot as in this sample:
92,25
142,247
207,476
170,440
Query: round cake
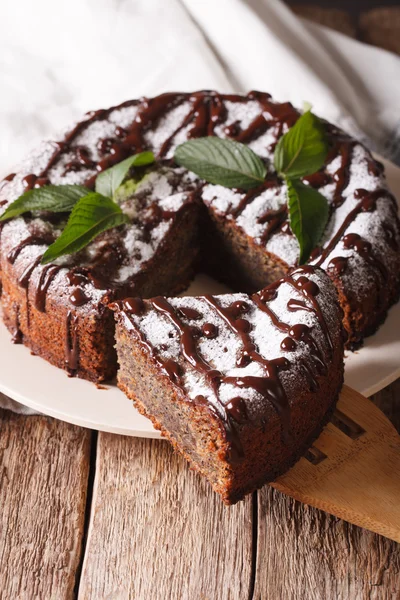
241,384
179,224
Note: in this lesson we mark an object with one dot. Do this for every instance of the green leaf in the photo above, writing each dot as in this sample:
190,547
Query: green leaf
223,162
303,149
129,187
54,198
308,215
92,215
109,181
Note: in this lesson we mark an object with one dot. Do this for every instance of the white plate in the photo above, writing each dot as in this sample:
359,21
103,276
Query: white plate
35,383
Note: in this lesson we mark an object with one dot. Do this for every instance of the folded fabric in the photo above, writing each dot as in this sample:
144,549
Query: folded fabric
61,59
263,45
15,406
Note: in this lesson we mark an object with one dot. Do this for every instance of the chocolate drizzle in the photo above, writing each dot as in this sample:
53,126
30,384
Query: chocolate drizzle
254,193
342,175
46,277
31,240
214,378
367,203
78,297
274,219
233,413
26,275
206,111
71,343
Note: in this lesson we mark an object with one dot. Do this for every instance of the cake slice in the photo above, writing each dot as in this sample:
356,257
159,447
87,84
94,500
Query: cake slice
240,385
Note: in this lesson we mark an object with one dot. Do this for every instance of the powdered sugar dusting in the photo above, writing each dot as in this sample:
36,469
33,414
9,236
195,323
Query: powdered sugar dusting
222,352
169,190
167,125
240,113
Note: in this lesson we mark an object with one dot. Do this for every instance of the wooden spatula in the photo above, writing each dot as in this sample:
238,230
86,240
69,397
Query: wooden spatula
353,469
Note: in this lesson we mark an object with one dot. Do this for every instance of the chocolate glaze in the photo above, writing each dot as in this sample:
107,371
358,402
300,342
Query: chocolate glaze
269,385
338,265
78,297
367,203
300,332
29,181
133,305
364,249
71,343
31,240
9,177
210,330
190,313
275,219
205,111
25,277
46,277
236,408
342,175
288,344
318,179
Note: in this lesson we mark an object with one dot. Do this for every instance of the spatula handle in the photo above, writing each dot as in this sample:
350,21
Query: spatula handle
359,478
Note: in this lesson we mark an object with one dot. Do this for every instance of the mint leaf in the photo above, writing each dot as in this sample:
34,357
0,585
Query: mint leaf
127,189
92,215
303,149
223,162
308,215
54,198
109,181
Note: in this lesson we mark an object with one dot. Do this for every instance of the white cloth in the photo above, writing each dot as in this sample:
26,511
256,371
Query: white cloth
60,59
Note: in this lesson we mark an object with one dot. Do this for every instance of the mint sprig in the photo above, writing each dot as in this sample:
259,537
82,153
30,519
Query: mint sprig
222,162
303,149
93,214
308,212
110,180
301,152
53,198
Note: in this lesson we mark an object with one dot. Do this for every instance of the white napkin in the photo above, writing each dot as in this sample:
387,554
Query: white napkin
60,59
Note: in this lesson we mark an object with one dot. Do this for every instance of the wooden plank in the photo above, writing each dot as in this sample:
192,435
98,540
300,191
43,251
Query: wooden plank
44,466
305,554
358,475
158,531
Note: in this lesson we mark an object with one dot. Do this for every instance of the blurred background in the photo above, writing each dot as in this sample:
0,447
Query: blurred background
376,22
61,59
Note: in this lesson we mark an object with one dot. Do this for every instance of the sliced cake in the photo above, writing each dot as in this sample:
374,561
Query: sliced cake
60,310
240,385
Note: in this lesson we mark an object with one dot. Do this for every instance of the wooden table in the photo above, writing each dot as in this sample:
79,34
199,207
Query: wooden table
103,517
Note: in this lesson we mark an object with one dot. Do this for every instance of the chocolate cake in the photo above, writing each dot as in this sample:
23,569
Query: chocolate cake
240,385
179,224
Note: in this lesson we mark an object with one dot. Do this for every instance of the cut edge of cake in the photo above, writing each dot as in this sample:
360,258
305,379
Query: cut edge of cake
238,444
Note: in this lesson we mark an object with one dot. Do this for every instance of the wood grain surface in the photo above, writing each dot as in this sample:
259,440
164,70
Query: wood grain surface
157,531
44,467
357,472
306,554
